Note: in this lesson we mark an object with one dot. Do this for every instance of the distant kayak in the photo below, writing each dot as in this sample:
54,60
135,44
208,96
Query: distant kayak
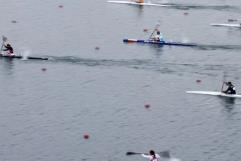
237,25
21,57
9,53
140,4
158,42
214,93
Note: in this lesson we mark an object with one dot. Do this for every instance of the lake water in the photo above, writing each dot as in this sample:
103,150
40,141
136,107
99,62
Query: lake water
44,114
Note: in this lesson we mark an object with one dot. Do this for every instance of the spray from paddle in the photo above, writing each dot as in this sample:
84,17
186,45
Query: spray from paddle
185,40
25,52
166,156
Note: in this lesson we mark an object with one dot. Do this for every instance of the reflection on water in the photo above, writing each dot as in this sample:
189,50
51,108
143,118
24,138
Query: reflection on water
7,66
140,10
44,115
228,102
158,49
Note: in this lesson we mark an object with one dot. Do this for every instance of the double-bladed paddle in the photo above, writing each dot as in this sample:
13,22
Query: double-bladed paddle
4,39
164,154
155,29
224,80
132,153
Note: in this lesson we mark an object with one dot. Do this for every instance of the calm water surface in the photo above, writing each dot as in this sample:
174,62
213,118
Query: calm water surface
44,114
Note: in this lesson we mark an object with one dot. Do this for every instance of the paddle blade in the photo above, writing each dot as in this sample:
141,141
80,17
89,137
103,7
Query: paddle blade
165,154
4,38
132,153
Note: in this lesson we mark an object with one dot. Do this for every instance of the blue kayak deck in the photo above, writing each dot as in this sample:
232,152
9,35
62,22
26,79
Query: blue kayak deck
158,42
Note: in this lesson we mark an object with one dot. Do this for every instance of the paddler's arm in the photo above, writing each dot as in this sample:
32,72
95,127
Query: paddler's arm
146,156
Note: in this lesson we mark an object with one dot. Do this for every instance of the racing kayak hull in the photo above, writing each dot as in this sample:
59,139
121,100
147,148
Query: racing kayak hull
139,4
214,93
158,42
21,57
226,25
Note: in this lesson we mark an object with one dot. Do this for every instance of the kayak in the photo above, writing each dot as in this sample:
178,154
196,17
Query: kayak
158,42
226,25
213,93
139,4
21,57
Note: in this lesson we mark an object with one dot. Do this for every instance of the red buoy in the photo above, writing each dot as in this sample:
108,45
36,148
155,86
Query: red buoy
44,69
147,106
145,30
86,136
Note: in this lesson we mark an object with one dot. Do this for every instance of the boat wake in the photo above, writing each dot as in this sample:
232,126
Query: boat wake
146,64
179,6
201,7
101,62
210,7
218,47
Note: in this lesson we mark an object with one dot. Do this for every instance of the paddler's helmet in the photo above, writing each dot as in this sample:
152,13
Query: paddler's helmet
152,152
8,45
158,33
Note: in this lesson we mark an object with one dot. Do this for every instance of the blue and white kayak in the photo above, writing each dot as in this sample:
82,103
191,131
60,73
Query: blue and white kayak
159,42
215,93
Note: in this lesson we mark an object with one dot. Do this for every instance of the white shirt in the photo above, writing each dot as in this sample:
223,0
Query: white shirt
150,157
158,37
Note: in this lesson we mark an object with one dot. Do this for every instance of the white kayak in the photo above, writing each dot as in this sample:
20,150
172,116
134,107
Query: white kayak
226,24
139,4
214,93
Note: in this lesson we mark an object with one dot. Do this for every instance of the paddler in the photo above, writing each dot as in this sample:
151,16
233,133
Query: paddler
230,88
152,156
157,36
8,49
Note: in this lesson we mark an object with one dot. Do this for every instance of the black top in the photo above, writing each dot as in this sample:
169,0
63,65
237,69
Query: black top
8,48
230,90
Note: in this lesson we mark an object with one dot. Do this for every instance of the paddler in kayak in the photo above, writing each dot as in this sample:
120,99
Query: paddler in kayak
230,88
8,49
152,156
157,36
